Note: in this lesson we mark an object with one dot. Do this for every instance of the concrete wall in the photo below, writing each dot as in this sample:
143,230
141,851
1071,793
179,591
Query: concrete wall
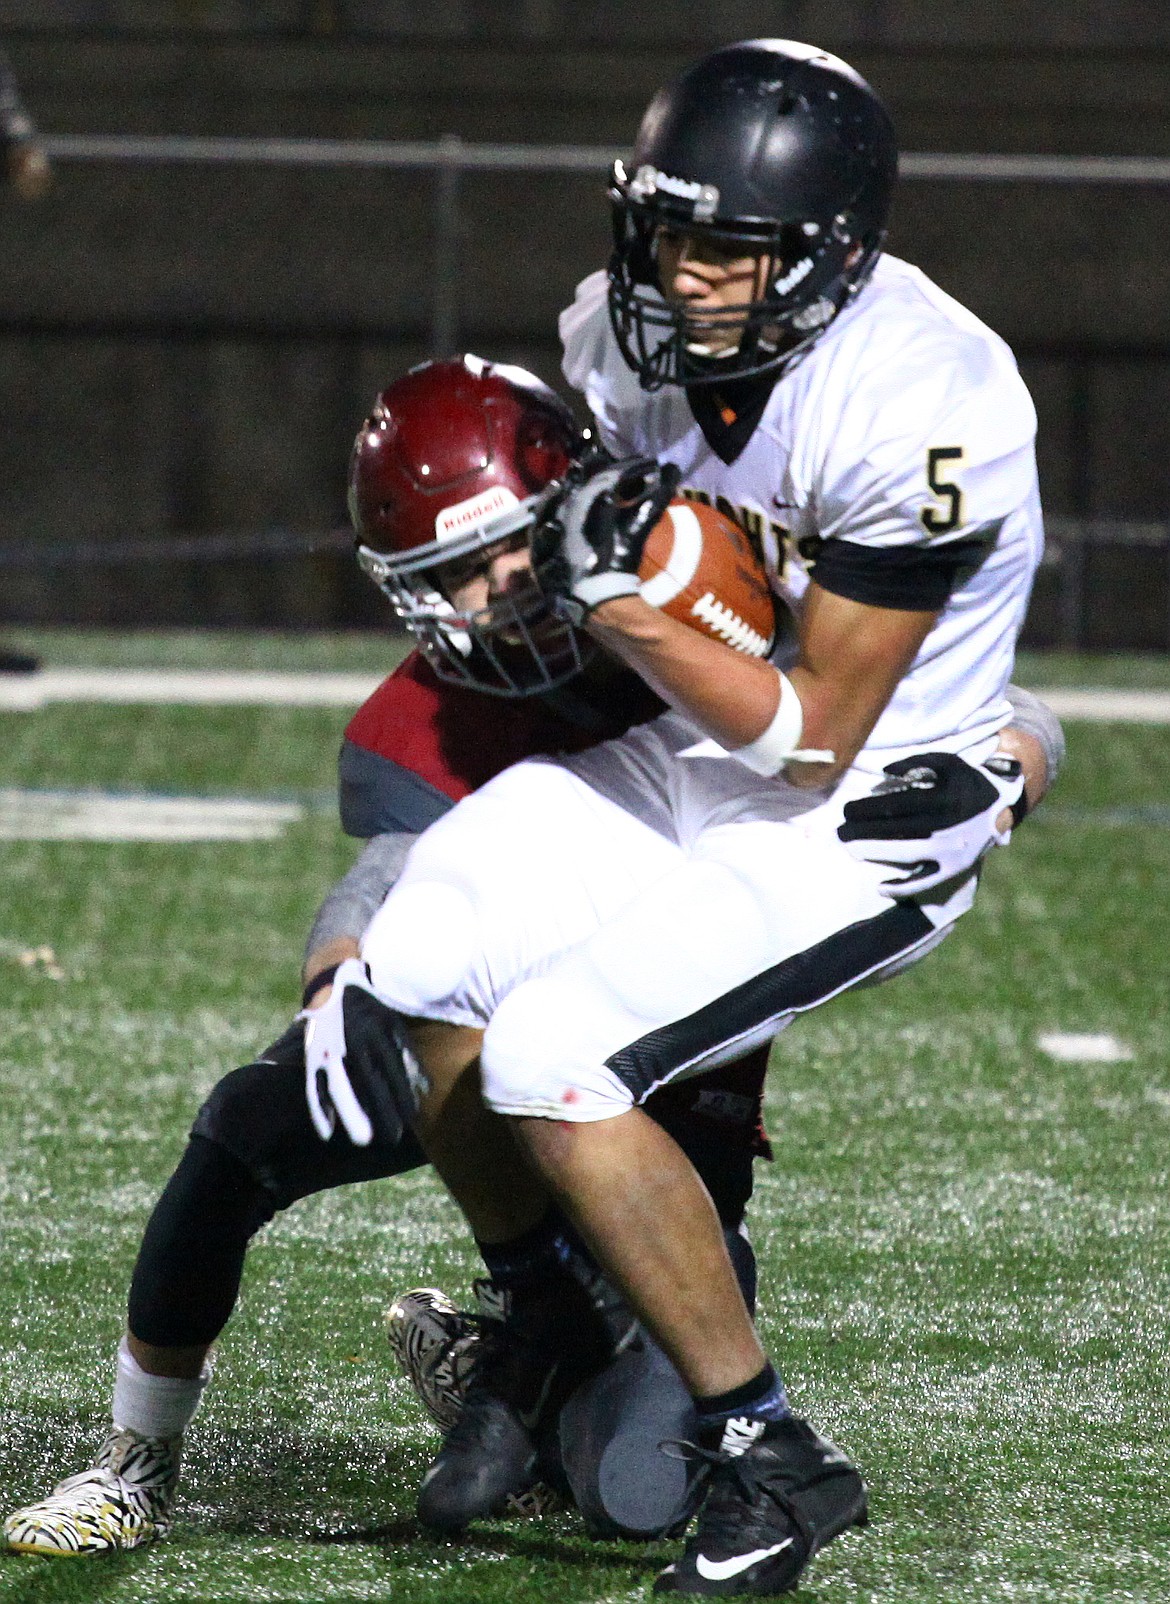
187,348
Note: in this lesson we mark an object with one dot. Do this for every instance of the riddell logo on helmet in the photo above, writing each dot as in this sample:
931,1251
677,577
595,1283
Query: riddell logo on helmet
795,275
648,181
464,515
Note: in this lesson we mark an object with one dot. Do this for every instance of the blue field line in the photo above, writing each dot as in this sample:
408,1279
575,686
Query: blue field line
1143,814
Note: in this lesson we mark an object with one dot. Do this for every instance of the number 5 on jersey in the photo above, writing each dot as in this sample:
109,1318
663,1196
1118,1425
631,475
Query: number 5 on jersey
947,512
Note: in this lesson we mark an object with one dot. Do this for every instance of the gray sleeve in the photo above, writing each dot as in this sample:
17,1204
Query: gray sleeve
377,795
358,895
1037,719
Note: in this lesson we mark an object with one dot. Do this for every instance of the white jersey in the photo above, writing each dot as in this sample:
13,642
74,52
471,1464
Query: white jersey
906,425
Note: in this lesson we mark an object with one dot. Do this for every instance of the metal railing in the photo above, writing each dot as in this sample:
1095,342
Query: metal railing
449,157
1070,542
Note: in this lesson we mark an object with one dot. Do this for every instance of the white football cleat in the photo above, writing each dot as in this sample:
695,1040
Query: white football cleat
123,1500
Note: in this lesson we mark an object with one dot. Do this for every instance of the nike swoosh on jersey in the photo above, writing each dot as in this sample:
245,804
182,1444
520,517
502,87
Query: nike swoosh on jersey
529,1417
718,1570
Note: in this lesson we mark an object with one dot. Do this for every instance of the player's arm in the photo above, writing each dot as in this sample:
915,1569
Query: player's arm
1035,738
852,656
730,696
341,920
811,721
1029,754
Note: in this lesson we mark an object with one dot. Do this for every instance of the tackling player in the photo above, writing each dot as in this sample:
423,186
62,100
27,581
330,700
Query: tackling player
420,743
581,932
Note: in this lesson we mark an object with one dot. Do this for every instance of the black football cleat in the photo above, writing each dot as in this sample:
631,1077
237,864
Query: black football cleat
531,1355
777,1493
489,1457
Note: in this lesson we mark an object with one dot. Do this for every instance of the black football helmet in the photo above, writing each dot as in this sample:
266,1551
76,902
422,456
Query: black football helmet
771,146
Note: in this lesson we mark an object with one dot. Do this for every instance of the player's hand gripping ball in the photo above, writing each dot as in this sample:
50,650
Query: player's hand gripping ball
617,529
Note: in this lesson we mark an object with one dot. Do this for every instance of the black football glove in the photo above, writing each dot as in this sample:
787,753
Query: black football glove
933,817
588,540
358,1069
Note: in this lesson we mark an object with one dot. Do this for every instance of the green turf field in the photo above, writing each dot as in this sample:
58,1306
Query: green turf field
964,1245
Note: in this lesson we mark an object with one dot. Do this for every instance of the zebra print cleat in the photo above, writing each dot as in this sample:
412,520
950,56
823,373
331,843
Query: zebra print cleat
122,1501
435,1345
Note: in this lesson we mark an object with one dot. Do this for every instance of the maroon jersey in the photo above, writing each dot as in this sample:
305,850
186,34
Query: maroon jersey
420,743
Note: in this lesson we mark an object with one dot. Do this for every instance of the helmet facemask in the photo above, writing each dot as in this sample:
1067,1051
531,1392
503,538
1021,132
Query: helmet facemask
807,271
515,644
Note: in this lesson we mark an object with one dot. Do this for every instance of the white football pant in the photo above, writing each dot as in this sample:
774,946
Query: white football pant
635,914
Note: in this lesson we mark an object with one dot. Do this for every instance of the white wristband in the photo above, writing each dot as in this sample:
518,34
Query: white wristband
780,742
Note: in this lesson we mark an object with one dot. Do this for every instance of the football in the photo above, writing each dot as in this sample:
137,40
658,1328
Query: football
699,567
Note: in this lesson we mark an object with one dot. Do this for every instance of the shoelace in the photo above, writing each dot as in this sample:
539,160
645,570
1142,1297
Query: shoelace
99,1480
721,1516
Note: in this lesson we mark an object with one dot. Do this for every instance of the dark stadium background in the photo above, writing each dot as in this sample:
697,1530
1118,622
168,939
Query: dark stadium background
186,350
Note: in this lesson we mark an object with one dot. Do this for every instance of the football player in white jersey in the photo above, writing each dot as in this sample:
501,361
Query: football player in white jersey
583,930
254,1148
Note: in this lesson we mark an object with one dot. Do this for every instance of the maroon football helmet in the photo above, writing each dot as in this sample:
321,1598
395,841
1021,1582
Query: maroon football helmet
452,463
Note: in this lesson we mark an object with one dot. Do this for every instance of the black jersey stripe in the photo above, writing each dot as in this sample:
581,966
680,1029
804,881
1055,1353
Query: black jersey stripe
911,578
799,982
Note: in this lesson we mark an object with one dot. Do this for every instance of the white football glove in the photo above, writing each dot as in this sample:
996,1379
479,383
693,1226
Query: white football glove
357,1069
589,538
933,817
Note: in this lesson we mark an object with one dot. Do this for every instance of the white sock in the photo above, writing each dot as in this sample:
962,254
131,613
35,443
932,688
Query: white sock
154,1406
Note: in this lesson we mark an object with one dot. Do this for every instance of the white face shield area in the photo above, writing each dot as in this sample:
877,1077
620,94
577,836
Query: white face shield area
472,604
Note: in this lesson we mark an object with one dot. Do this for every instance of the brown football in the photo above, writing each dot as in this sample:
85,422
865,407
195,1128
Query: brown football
700,567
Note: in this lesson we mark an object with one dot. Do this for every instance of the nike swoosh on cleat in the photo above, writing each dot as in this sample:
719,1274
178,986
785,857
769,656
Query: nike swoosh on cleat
529,1417
718,1570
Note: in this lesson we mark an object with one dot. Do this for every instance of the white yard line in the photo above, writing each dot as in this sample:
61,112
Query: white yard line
1098,706
259,688
1072,1048
24,693
219,687
99,816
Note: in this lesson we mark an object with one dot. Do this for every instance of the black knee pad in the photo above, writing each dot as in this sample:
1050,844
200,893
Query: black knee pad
253,1150
260,1115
